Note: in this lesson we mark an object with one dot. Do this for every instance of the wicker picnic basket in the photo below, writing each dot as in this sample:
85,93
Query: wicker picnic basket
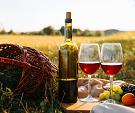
24,69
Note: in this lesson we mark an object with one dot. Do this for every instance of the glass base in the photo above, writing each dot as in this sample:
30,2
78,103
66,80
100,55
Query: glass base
88,99
109,101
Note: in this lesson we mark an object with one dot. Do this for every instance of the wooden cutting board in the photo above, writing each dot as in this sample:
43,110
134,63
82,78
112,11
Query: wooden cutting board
80,107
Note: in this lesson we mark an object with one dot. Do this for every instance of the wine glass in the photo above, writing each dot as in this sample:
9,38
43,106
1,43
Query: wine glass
111,62
89,61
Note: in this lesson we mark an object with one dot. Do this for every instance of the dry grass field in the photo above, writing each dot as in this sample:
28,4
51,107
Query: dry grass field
49,46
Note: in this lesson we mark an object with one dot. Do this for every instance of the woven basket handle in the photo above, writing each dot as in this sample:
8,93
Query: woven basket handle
17,63
14,62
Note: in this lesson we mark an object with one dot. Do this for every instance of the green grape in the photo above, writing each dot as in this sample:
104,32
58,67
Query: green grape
107,94
117,92
102,96
116,96
117,89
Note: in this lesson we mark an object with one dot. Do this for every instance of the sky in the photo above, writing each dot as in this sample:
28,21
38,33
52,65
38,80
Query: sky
34,15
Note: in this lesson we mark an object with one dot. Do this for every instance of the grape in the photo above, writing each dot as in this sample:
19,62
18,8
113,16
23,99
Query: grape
117,89
118,92
133,91
124,88
102,96
116,96
130,88
107,94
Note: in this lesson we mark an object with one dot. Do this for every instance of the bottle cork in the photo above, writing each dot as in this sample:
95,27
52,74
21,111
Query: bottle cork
68,15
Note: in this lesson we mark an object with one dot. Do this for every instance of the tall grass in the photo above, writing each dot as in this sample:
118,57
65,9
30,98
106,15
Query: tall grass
49,46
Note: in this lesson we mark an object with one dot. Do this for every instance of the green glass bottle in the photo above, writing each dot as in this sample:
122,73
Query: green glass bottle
68,68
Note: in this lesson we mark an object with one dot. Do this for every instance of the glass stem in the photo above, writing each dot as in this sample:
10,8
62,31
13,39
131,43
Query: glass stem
111,87
89,86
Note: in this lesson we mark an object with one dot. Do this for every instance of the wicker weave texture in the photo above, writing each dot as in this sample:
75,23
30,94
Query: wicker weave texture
28,68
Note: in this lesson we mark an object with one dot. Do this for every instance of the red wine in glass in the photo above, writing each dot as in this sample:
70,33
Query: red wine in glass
89,67
111,62
111,69
89,61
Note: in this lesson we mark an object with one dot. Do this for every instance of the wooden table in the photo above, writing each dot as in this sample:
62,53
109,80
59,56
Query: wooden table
80,107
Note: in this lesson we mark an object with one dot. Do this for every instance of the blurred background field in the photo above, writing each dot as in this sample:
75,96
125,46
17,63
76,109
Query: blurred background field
49,46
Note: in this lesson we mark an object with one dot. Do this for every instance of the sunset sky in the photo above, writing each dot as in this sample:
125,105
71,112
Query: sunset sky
33,15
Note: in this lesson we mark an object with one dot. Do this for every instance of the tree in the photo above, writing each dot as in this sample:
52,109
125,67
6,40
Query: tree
3,31
48,30
62,30
57,32
11,32
86,32
77,32
98,33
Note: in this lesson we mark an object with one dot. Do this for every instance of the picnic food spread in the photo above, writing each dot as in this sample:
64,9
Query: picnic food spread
122,92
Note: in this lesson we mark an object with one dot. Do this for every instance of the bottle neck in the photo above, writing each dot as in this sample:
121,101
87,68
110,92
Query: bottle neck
68,29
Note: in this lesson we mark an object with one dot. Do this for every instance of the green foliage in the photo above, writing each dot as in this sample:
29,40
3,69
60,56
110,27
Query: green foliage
27,104
11,32
98,33
48,30
77,32
3,31
10,75
62,30
86,32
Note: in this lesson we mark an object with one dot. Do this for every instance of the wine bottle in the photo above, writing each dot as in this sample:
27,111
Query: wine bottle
68,68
